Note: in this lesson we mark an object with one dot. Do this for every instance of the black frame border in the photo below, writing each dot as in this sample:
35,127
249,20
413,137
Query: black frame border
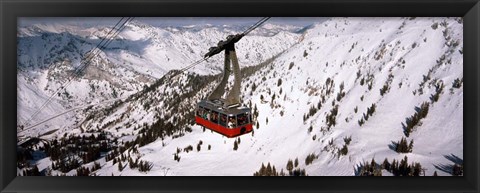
10,10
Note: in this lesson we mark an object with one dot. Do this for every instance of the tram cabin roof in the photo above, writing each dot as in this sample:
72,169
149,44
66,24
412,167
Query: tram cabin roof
218,106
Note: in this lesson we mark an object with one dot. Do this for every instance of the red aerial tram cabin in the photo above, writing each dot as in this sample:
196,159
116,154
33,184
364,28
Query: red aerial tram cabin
226,116
230,122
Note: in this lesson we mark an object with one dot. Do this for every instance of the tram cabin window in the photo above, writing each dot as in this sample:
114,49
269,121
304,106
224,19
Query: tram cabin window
207,114
214,117
200,112
242,119
223,120
232,122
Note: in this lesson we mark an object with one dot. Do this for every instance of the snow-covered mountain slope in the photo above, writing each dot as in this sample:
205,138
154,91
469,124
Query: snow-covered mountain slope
140,54
347,93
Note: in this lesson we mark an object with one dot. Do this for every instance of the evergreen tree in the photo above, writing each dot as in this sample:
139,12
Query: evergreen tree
235,145
120,167
403,147
291,65
424,109
373,163
261,172
386,165
403,167
410,146
417,169
457,83
394,167
269,170
310,159
296,162
344,150
290,165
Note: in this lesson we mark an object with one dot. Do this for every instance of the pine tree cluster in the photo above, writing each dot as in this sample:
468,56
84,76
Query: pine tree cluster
426,78
312,110
384,89
402,168
329,85
83,171
293,170
268,171
159,129
310,158
145,166
343,150
369,113
403,146
415,118
65,165
386,86
298,172
369,169
176,155
133,164
87,148
347,140
331,117
397,168
438,90
457,83
188,148
361,122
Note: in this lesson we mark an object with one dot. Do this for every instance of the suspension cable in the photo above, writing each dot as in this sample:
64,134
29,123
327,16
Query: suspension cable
254,26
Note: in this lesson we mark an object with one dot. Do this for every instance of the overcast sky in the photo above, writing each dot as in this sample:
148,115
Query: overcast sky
168,21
